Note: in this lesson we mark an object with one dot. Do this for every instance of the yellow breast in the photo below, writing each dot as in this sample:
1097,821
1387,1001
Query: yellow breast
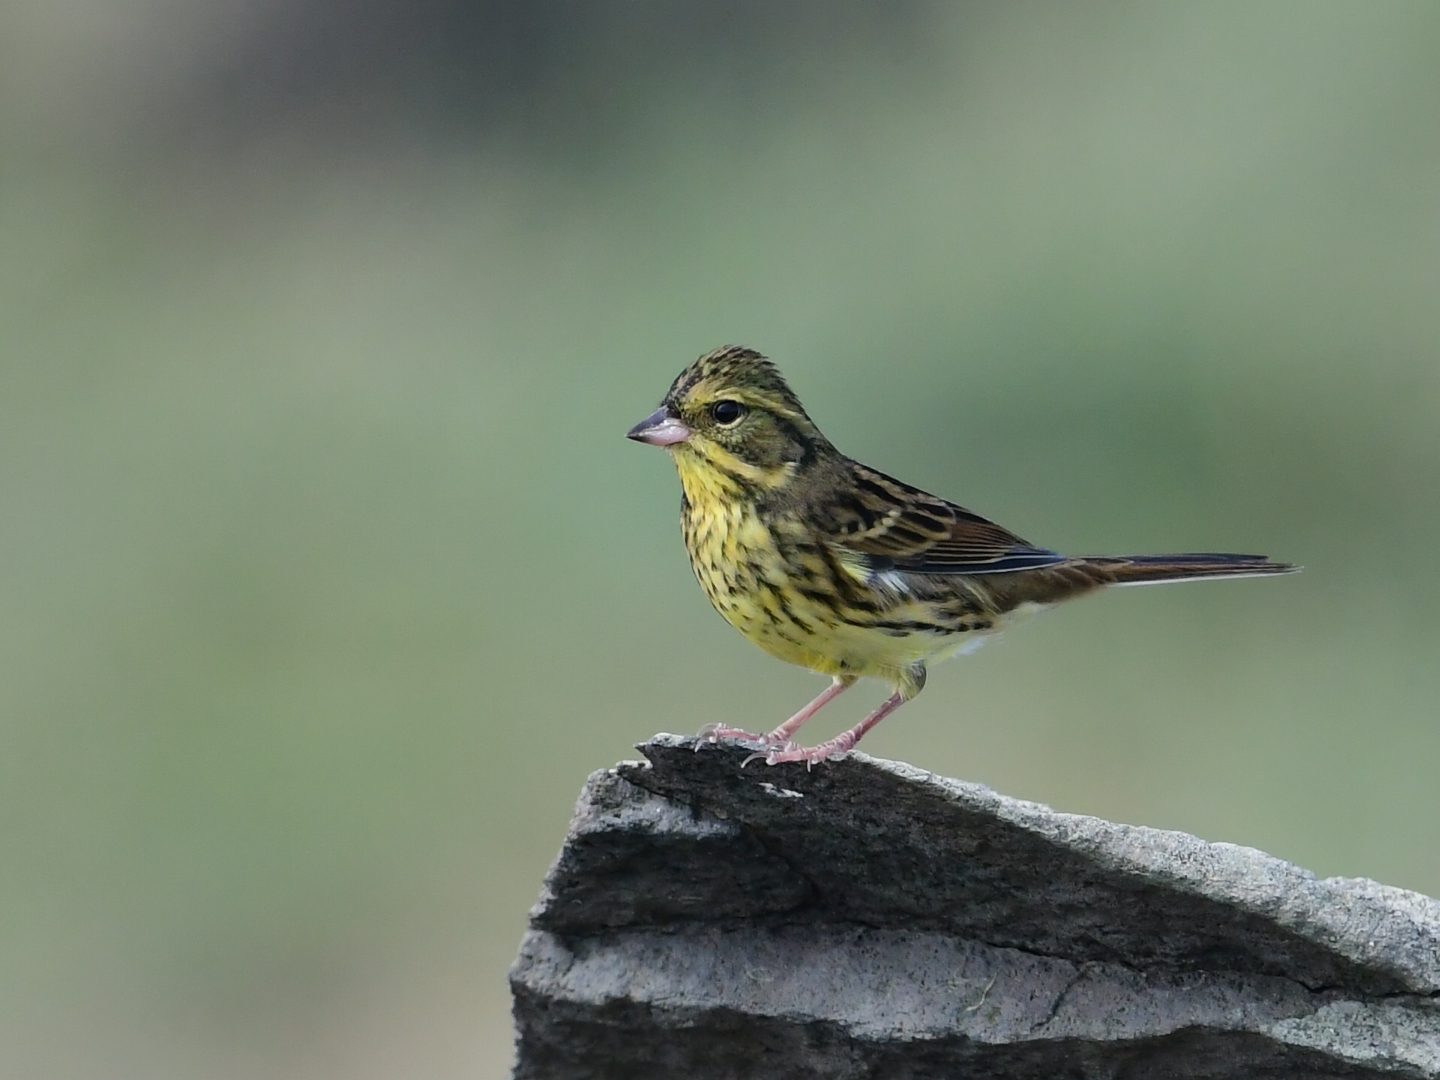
737,562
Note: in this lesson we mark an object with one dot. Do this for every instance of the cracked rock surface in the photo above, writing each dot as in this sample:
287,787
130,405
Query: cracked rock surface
870,919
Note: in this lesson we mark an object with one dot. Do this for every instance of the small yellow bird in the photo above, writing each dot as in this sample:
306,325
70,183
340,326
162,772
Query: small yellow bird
839,568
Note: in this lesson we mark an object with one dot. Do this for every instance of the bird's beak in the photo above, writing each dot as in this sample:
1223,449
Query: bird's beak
660,428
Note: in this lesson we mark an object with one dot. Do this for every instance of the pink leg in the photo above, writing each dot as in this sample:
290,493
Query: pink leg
780,737
841,743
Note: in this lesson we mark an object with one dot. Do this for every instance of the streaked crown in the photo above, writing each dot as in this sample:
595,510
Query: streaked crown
739,372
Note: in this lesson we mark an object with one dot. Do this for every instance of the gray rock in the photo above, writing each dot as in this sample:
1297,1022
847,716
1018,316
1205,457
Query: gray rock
870,919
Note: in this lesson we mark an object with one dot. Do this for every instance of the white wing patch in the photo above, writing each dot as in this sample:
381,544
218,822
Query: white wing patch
858,567
894,580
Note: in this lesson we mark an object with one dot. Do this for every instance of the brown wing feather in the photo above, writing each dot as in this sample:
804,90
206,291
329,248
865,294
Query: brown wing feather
904,528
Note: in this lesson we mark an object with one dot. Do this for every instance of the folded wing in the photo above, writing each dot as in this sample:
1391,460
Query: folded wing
899,527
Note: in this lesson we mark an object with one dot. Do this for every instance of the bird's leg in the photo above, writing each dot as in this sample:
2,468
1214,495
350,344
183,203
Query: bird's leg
780,737
846,740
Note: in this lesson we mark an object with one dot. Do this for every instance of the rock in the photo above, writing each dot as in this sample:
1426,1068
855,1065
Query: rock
870,919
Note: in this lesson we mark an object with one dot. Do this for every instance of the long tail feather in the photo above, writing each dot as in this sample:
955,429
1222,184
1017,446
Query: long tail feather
1191,566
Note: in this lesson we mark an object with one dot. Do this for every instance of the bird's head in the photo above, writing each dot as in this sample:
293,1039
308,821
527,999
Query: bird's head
731,410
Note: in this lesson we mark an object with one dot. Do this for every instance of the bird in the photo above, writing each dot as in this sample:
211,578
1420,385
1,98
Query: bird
832,565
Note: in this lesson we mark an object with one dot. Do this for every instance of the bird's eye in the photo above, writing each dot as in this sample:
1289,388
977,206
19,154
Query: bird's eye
726,413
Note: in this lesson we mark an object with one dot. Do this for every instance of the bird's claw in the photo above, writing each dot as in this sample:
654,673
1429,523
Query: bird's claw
810,755
772,746
713,733
775,745
776,748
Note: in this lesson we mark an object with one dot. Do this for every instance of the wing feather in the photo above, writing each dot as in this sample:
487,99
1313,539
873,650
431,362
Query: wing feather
899,527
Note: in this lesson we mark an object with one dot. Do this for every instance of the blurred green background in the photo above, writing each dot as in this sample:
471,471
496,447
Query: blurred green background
328,575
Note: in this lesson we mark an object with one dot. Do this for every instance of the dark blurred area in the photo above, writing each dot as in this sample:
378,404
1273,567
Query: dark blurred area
327,575
562,77
559,78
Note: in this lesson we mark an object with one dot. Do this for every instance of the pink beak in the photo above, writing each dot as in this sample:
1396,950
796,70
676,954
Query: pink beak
660,428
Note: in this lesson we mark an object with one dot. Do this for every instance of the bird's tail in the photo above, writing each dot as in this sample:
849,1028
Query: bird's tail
1192,566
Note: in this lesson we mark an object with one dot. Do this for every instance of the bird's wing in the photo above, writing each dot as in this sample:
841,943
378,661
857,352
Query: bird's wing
898,527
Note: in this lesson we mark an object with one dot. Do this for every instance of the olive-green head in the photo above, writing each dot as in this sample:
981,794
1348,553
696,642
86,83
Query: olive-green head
732,408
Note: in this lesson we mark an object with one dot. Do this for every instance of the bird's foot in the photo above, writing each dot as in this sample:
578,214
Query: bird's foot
811,755
777,746
713,733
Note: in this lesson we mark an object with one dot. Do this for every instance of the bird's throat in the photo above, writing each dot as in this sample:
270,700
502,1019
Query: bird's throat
713,474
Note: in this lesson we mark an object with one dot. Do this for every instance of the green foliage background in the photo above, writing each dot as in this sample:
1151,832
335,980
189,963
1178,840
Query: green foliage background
328,576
